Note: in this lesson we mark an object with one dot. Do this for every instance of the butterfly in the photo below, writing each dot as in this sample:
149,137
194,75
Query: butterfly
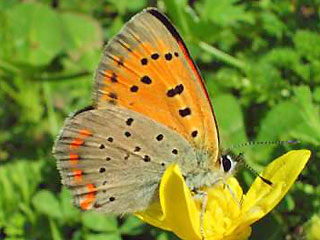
150,109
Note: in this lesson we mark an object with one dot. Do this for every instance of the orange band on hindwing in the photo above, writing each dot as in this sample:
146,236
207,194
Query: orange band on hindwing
74,158
89,198
91,190
77,174
85,133
77,142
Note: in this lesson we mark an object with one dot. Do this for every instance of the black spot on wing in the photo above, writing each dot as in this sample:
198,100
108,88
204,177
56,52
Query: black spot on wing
168,56
127,134
155,56
146,158
144,61
129,121
146,80
185,112
159,137
137,149
134,88
194,133
174,151
175,91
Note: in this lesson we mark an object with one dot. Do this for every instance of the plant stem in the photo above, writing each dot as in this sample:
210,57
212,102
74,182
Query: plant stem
9,67
47,77
222,56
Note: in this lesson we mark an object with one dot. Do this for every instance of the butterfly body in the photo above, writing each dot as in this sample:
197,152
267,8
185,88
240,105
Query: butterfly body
150,110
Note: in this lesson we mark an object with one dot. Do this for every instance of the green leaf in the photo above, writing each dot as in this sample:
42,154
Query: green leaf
278,123
315,71
82,40
132,226
104,236
55,232
264,81
230,120
7,4
163,236
309,129
127,5
316,94
283,57
224,12
288,58
295,119
227,78
69,212
46,203
99,222
117,24
15,225
312,228
31,34
18,183
32,109
272,24
307,44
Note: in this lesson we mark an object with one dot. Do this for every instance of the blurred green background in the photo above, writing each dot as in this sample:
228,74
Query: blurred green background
261,63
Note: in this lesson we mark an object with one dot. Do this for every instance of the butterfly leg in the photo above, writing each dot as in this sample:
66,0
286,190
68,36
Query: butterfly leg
203,209
203,196
234,196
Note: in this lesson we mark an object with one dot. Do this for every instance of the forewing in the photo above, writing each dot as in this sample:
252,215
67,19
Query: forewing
147,68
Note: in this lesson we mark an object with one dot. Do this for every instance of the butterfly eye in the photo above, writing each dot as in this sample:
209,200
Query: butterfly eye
226,163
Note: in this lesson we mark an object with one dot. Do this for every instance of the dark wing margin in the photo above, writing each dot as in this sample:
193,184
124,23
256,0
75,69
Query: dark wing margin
166,22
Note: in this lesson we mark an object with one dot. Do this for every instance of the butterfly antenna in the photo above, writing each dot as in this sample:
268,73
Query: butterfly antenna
241,159
250,143
257,174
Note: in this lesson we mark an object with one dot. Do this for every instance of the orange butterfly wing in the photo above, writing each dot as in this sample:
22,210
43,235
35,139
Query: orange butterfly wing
148,69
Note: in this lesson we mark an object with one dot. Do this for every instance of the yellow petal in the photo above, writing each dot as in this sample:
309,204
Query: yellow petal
179,208
154,216
177,211
282,172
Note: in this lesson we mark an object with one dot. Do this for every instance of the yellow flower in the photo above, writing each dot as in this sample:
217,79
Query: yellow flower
225,217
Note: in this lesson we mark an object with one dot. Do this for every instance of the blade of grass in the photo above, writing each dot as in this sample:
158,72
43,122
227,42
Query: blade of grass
222,56
51,115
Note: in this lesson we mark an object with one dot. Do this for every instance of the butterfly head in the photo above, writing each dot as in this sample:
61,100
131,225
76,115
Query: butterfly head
229,162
